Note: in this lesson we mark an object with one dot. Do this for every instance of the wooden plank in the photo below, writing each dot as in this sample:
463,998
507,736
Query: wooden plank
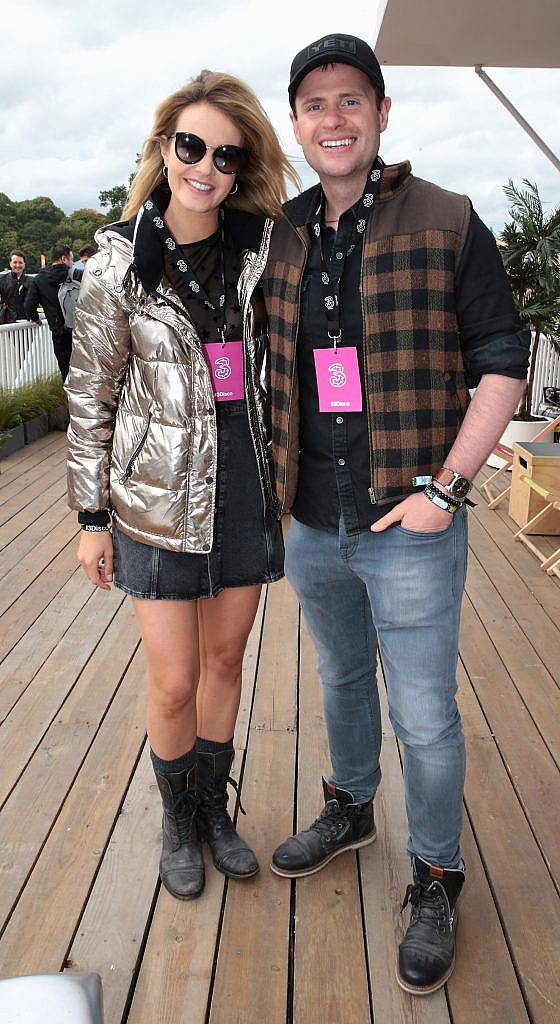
543,634
385,871
252,968
483,986
24,728
41,928
26,506
36,561
534,683
26,538
174,977
526,567
518,739
523,889
32,454
23,613
41,790
110,935
32,650
32,478
330,976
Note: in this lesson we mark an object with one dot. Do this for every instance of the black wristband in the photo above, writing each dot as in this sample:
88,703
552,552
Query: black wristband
101,518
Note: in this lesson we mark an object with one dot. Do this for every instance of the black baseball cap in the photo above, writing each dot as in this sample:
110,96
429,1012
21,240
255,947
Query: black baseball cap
335,49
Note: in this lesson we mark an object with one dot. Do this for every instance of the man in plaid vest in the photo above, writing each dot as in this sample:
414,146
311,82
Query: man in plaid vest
387,301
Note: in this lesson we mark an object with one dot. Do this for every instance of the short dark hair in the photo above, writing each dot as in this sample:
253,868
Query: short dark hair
58,251
87,250
17,252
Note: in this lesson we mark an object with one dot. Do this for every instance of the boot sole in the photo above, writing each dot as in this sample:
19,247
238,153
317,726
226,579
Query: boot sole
302,873
428,989
237,878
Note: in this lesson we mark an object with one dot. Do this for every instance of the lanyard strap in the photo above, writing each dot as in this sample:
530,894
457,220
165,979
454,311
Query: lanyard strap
331,272
185,270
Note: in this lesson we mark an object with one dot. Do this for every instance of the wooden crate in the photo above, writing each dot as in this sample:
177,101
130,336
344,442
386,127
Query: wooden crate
539,460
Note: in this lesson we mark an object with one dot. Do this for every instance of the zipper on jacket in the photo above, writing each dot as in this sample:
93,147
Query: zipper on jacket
248,286
129,466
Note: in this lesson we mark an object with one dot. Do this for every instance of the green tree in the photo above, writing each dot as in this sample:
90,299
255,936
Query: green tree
114,198
531,254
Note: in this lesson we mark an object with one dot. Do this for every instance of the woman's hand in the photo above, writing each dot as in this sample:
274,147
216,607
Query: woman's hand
416,513
95,555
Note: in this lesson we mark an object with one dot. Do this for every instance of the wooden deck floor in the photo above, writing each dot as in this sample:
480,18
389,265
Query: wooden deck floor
80,820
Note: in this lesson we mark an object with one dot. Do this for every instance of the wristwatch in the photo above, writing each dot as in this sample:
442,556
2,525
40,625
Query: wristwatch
453,483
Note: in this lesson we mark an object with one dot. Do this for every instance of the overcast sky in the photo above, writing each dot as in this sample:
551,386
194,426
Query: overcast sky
79,84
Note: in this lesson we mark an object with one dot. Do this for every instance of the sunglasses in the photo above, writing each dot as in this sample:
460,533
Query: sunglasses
191,149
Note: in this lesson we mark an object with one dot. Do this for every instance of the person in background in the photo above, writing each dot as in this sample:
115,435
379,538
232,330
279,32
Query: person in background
83,256
43,291
14,284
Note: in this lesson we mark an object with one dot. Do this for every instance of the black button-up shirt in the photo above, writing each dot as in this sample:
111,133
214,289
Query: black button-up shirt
335,471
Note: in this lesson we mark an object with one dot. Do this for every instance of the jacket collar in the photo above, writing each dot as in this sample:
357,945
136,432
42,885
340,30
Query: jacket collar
245,229
301,209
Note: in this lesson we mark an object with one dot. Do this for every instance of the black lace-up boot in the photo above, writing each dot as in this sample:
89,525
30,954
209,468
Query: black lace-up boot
427,952
181,867
230,853
342,825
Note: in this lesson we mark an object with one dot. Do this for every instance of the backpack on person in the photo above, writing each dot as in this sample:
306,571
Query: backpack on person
68,295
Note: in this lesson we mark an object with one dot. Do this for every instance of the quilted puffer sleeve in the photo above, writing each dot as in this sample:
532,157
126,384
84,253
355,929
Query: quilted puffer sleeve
100,353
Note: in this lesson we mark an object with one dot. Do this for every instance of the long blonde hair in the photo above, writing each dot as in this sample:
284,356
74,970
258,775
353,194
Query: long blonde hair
261,184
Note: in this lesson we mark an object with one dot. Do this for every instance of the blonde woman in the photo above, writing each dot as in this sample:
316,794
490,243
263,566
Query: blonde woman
169,441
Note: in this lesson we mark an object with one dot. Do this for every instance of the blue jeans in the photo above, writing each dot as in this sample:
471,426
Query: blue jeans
401,591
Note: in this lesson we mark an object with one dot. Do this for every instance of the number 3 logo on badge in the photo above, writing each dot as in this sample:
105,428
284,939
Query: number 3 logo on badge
223,368
338,376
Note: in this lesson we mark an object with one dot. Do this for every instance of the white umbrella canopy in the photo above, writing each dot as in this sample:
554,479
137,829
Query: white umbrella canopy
473,33
466,33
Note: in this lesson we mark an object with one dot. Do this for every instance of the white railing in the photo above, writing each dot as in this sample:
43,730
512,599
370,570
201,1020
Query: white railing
547,371
26,353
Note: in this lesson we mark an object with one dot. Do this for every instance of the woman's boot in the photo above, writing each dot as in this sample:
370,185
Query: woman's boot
181,867
231,854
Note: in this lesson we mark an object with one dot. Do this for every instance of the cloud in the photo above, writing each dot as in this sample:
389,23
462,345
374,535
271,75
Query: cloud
79,84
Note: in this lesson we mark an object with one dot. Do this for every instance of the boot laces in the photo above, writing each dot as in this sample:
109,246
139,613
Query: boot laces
331,820
216,800
183,815
428,904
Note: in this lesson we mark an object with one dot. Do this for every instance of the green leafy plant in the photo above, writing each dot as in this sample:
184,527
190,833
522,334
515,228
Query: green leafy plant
21,404
530,248
10,410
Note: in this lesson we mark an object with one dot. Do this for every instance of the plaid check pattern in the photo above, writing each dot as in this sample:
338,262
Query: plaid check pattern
414,377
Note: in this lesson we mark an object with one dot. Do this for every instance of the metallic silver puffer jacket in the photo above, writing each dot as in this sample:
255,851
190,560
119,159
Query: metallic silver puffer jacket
143,435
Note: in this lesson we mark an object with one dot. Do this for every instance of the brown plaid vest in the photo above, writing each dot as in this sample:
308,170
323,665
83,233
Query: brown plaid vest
413,367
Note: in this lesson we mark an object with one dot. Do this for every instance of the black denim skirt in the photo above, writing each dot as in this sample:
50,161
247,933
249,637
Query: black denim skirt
248,548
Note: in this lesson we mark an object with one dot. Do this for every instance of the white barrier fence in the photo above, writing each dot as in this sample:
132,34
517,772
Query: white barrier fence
26,353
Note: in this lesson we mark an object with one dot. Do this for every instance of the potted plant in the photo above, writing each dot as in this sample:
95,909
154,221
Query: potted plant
33,413
11,426
530,248
57,403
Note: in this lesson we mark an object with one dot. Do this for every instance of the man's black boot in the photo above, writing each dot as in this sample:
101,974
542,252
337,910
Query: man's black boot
181,867
427,952
342,825
230,853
